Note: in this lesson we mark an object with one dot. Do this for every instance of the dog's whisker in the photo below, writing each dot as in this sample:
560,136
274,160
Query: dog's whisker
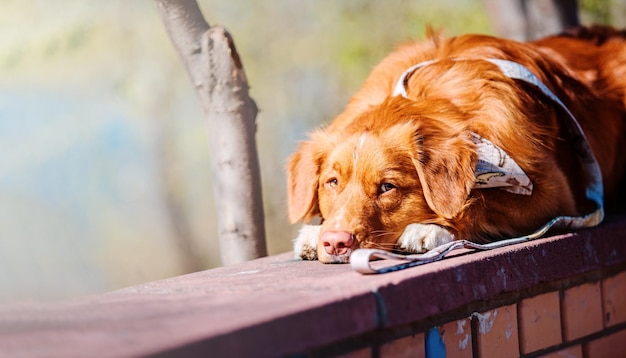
380,233
376,245
385,234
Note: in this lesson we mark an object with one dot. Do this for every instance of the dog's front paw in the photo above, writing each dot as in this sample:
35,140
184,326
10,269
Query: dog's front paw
305,245
420,238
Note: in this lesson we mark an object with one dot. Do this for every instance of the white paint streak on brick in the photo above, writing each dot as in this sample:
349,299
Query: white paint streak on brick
485,321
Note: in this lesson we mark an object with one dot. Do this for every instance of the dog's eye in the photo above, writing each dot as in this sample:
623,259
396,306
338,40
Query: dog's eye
332,183
385,187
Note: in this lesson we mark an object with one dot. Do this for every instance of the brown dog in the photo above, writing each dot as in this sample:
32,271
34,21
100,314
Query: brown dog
398,169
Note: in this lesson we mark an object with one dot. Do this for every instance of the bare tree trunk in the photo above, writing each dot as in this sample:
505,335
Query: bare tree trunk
507,18
212,62
550,17
524,20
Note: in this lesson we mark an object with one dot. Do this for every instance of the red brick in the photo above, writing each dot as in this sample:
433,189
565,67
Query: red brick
582,311
457,336
570,352
610,346
614,299
412,346
539,322
497,332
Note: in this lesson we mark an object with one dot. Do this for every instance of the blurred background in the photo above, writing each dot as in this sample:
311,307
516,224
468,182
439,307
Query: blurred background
104,162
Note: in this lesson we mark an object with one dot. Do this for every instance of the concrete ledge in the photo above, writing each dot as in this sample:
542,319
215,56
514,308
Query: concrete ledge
278,306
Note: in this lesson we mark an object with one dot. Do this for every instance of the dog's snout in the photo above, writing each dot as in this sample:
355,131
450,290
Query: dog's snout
337,242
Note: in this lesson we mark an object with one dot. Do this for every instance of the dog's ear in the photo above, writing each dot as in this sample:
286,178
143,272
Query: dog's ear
445,165
302,183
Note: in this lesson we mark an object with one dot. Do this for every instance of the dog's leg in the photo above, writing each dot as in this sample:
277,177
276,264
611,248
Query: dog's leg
420,238
305,245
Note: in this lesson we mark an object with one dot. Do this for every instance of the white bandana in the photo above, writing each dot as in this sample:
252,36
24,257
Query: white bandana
495,169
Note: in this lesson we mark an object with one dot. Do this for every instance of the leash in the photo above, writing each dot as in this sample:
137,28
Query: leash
360,259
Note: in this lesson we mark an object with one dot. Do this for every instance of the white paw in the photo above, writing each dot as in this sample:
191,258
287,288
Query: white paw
420,238
305,245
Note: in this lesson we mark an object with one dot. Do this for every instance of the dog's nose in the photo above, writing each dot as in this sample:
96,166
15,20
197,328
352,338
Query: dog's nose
337,242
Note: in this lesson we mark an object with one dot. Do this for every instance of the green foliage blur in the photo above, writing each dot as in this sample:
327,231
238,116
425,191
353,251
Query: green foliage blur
599,11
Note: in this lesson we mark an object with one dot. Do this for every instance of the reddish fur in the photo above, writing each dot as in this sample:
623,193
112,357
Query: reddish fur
421,144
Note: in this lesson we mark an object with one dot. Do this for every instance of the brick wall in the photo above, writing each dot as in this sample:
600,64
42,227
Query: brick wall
560,296
585,320
582,316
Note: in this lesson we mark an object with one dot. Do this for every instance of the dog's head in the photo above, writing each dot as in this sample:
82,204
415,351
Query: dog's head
370,180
